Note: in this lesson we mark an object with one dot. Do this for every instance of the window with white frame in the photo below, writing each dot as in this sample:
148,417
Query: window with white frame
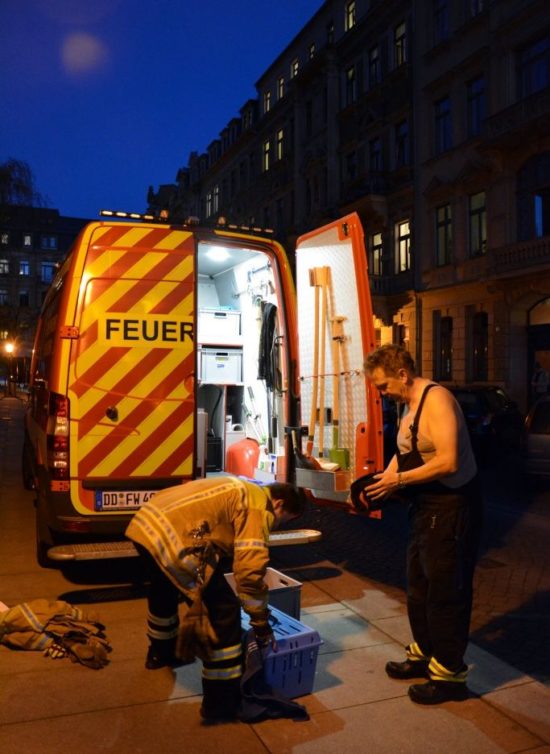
208,205
443,235
376,254
266,155
27,239
267,101
216,199
477,221
4,239
400,44
403,246
24,267
4,267
280,87
294,68
279,144
349,15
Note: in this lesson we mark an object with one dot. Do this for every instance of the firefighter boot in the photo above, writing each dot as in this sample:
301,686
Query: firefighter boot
221,700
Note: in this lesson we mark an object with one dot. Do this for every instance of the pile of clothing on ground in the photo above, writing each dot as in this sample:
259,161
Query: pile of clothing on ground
57,629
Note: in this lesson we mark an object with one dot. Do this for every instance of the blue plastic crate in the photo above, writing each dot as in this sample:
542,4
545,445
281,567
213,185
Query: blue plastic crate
291,669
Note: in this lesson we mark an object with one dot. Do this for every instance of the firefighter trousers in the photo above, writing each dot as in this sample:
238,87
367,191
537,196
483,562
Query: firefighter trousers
444,532
222,671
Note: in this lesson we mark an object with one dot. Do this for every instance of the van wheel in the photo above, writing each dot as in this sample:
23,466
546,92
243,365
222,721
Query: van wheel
26,468
44,540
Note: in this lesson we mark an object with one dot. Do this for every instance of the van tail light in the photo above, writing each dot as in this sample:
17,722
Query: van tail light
57,434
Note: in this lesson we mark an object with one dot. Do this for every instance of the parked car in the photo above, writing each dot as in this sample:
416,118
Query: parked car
536,441
494,420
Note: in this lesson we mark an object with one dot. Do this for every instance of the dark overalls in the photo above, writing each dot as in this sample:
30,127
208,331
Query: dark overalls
444,532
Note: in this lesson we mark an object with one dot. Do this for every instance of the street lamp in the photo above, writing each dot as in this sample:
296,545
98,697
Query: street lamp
9,348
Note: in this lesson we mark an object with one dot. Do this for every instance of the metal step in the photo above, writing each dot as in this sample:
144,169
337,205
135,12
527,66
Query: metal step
105,550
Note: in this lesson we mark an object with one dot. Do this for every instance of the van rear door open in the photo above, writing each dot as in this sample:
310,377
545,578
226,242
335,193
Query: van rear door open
131,378
331,265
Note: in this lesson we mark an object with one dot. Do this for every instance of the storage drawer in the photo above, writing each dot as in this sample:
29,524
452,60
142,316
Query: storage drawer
219,326
221,366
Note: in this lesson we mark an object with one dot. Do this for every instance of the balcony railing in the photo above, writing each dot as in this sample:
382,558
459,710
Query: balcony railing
519,256
518,117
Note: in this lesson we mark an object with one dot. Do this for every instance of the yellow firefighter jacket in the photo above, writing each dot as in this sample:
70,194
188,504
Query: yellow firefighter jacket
189,527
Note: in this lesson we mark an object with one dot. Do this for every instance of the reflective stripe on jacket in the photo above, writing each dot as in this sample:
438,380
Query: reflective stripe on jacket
186,528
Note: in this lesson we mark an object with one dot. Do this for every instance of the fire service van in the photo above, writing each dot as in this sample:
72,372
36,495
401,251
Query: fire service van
169,352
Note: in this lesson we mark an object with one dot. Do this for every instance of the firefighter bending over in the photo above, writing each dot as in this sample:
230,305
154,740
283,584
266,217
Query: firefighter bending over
189,536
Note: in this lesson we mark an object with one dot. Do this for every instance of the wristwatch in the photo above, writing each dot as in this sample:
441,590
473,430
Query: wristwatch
400,481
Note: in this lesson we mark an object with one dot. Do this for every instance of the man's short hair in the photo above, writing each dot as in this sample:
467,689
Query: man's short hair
294,498
391,359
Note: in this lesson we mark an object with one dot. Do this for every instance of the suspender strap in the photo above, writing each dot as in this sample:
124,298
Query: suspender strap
414,426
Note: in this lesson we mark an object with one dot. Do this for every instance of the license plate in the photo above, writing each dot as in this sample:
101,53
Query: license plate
120,500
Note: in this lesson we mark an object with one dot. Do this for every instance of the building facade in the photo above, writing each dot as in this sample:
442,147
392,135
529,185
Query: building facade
33,241
431,120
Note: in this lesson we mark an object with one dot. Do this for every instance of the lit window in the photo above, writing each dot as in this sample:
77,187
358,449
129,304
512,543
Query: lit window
311,51
267,101
443,234
403,246
477,216
443,123
216,199
475,105
266,155
27,240
280,87
376,250
4,300
349,15
24,268
400,44
4,267
4,239
294,68
208,203
279,139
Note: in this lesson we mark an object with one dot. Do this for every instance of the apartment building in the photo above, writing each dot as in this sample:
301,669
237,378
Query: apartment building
33,241
431,120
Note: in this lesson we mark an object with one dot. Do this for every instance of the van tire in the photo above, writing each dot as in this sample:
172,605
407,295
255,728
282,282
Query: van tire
26,468
44,540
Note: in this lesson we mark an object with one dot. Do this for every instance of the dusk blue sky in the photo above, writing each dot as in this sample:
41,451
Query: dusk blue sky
103,98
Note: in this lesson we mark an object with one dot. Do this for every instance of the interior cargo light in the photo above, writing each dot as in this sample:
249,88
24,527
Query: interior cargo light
218,253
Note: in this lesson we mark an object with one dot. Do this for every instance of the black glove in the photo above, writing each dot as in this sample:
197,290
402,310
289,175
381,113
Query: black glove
264,636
